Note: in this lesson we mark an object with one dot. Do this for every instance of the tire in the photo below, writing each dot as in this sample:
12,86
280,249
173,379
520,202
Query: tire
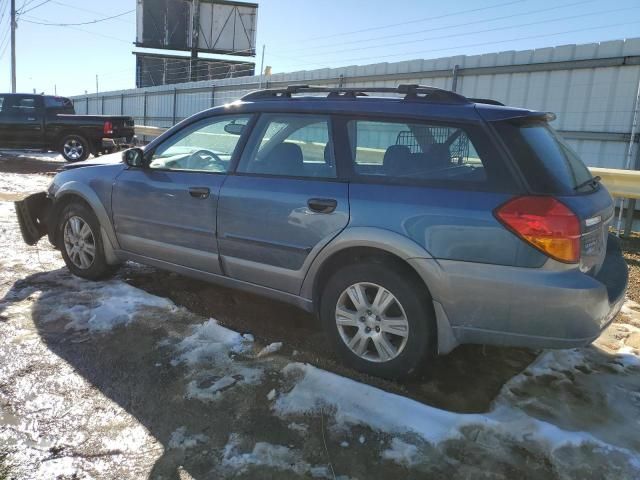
410,310
72,220
75,148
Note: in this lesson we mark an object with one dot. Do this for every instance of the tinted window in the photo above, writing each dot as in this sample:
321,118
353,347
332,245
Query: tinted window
1,103
548,163
58,103
290,145
24,104
415,151
206,146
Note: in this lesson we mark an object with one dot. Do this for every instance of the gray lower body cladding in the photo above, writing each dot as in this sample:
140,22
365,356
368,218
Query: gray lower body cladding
526,307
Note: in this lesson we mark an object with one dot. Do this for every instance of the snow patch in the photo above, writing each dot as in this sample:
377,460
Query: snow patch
354,403
108,306
401,452
269,349
209,342
265,454
180,439
214,346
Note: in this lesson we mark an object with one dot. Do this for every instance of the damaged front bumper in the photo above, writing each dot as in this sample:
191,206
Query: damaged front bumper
33,216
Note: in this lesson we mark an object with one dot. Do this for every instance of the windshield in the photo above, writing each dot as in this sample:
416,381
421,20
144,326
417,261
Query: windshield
549,164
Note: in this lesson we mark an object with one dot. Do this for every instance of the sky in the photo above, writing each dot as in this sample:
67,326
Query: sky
304,35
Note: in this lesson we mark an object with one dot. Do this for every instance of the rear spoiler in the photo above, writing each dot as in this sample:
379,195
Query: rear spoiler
516,115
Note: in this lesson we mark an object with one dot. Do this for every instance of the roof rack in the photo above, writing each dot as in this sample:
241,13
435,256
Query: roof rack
410,92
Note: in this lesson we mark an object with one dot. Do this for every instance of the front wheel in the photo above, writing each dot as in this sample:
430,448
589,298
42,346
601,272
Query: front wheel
74,148
81,243
379,319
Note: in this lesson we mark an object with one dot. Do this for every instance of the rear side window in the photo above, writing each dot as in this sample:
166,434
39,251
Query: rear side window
58,103
549,165
292,145
422,152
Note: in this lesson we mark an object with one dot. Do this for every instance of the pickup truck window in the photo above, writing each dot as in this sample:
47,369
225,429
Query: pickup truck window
24,105
57,103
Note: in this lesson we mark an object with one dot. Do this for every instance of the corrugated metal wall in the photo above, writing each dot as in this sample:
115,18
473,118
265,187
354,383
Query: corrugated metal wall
591,88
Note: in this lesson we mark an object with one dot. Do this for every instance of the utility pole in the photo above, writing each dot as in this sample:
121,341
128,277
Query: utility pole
195,34
13,46
97,85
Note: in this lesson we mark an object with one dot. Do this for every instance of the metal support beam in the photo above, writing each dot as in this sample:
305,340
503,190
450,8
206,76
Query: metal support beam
13,46
175,103
454,81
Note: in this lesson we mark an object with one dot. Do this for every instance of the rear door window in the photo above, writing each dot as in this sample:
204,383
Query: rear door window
548,163
290,145
421,152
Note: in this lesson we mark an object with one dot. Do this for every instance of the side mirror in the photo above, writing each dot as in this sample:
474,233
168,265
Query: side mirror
234,128
134,157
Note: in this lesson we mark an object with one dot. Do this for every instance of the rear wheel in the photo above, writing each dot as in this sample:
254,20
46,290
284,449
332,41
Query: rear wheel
379,319
74,148
81,243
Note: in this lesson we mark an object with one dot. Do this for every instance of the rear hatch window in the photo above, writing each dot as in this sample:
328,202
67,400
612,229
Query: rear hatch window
549,165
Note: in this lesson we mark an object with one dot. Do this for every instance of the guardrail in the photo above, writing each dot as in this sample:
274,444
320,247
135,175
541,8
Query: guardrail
147,131
620,183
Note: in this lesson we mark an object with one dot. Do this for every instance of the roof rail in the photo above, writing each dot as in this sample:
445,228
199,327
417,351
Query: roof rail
411,93
487,101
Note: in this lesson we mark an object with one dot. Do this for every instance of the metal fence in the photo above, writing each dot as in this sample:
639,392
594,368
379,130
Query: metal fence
592,88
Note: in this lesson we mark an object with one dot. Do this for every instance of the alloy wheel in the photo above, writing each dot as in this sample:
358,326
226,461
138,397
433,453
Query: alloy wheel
372,322
79,242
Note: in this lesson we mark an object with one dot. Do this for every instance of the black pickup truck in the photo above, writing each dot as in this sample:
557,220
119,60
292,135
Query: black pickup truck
45,122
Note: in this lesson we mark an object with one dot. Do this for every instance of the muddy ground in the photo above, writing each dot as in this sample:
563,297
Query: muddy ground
131,397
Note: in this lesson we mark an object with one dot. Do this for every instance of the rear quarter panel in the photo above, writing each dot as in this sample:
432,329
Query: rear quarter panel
448,224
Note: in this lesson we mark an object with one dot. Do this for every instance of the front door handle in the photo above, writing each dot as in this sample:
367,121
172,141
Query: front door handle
322,205
199,192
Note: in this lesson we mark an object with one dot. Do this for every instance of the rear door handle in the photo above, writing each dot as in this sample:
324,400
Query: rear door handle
199,192
322,205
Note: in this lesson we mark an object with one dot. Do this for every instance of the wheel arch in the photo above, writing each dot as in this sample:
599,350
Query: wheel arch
79,192
358,244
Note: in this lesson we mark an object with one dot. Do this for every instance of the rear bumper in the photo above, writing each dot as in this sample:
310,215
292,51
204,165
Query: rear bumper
118,143
533,308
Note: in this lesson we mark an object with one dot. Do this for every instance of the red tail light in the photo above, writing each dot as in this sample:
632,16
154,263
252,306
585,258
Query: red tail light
545,223
108,128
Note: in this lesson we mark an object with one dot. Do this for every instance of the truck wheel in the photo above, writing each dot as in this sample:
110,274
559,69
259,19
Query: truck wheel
81,243
74,148
378,319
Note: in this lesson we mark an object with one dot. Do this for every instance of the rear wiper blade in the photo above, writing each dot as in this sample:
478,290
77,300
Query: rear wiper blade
592,181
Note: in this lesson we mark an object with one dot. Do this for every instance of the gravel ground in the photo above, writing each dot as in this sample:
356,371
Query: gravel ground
108,380
631,248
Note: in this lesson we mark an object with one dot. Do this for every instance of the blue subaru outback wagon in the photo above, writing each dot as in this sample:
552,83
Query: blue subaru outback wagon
408,222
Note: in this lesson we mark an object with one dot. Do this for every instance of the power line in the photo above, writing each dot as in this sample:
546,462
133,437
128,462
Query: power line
87,31
407,22
22,10
471,45
446,27
98,20
495,29
62,4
